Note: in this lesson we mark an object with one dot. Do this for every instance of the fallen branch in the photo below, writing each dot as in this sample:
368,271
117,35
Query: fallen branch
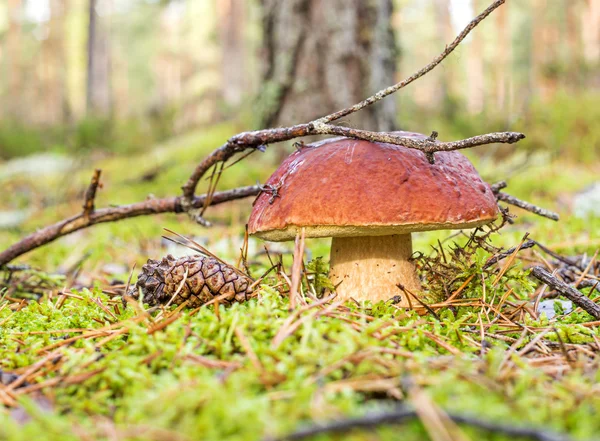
402,415
112,214
501,196
504,197
570,293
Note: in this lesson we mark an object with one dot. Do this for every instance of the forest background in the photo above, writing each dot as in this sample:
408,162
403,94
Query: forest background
162,68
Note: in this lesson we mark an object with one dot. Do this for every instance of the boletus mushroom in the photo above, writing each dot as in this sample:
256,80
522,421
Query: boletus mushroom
369,197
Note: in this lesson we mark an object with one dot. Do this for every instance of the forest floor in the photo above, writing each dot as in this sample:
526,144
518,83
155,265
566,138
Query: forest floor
76,364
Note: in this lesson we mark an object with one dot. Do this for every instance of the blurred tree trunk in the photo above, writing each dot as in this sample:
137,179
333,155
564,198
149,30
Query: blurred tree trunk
545,42
573,76
168,63
321,56
53,106
503,60
475,76
591,31
13,56
98,91
446,95
231,22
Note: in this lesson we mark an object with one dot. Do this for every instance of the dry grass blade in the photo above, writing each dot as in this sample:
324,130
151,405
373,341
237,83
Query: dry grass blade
195,246
297,267
32,370
212,187
166,322
587,269
211,363
179,287
245,343
436,422
461,288
293,322
509,261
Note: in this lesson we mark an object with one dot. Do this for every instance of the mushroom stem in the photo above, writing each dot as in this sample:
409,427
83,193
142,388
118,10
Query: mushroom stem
371,267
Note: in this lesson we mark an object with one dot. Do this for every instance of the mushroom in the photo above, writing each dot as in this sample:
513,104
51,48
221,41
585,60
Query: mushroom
369,197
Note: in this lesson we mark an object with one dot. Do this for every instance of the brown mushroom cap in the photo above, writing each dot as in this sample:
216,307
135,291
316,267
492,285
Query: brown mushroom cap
346,187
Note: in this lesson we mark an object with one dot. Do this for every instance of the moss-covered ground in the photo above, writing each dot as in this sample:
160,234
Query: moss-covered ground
78,364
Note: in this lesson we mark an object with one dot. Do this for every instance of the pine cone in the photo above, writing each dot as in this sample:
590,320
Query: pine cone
206,279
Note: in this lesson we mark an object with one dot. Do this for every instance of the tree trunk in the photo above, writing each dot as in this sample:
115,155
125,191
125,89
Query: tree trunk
475,75
321,56
98,81
446,94
52,109
545,41
231,22
591,31
573,77
504,60
13,57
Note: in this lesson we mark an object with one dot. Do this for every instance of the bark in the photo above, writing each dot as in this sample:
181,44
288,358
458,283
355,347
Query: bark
98,81
322,56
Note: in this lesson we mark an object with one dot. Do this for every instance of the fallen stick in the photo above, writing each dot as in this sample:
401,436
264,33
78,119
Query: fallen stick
111,214
570,293
504,254
402,415
528,206
504,197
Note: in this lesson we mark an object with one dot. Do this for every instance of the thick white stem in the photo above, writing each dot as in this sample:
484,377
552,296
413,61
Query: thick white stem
371,267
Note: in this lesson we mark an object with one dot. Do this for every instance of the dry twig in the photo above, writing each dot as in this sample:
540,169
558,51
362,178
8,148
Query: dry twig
402,415
90,194
570,293
528,206
112,214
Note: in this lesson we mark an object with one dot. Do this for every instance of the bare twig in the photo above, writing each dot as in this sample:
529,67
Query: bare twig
504,197
570,293
557,256
527,244
501,196
90,194
427,145
111,214
403,414
259,138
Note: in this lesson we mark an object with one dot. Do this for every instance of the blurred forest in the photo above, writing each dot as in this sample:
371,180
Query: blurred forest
121,75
